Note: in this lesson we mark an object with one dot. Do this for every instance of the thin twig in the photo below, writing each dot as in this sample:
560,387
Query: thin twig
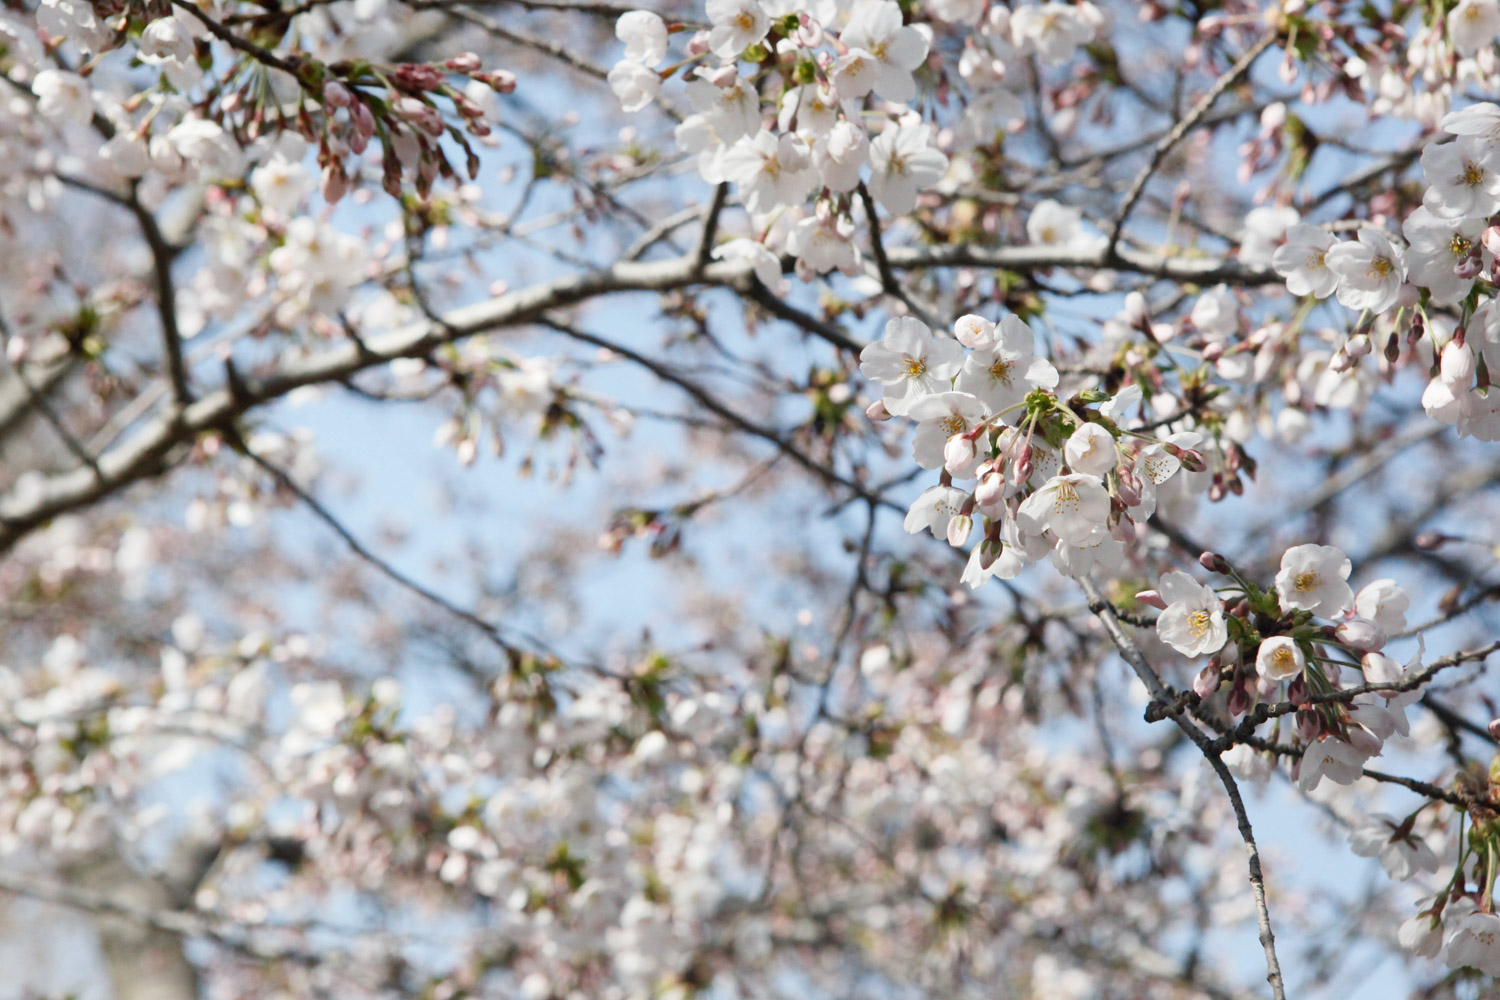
1189,122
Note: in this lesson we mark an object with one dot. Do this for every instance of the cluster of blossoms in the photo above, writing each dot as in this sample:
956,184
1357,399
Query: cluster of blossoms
1301,633
205,126
1446,264
793,102
1070,479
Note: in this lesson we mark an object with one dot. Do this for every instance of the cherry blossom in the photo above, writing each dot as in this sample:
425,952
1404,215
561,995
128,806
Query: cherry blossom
910,362
1370,271
1313,578
1193,622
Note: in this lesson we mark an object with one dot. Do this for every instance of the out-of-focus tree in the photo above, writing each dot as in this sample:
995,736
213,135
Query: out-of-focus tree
1164,330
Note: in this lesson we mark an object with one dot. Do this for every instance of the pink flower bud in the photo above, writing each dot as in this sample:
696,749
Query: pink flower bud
418,76
877,412
336,95
959,453
1023,464
1207,682
1358,346
1490,240
1309,724
335,183
1191,458
1239,700
724,76
1494,728
1468,268
991,491
1152,598
422,115
464,62
1428,541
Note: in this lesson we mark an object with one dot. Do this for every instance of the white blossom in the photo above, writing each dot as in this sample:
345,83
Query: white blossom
1193,622
903,162
1370,271
644,35
1402,855
1314,578
1302,261
896,49
1279,659
63,96
737,25
1071,506
910,362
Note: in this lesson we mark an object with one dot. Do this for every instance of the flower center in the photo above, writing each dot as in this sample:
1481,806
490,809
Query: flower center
1284,659
1067,498
1459,246
1381,267
1000,371
1306,581
954,424
1316,261
745,21
914,367
1198,623
1473,174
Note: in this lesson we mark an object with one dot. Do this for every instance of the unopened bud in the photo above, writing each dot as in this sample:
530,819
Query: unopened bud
1392,349
1152,598
1427,541
1239,700
1191,458
1207,681
1358,346
1213,562
1494,728
336,95
990,492
1023,464
958,530
1490,240
1213,352
877,412
1309,724
959,453
1468,268
1457,363
1361,634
